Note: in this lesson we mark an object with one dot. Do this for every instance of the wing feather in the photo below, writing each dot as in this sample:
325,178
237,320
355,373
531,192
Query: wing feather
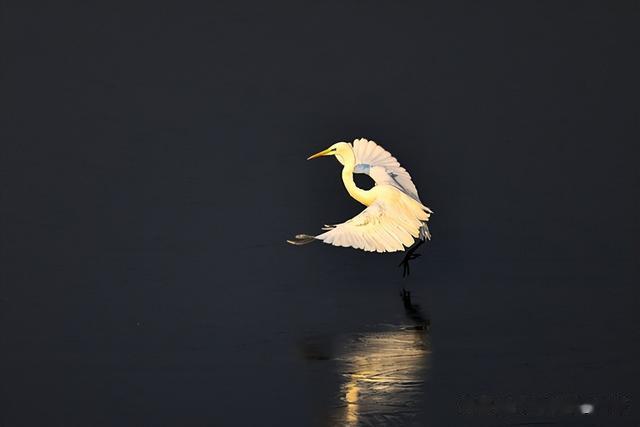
380,227
382,167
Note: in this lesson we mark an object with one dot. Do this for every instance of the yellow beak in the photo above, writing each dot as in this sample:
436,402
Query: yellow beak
327,152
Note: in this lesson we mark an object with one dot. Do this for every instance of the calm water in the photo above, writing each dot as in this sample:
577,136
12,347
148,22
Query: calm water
383,376
378,373
153,165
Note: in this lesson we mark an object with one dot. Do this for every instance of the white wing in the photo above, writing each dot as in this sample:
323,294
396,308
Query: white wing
382,167
381,227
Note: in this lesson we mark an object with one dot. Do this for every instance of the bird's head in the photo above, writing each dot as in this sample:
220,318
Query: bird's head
342,150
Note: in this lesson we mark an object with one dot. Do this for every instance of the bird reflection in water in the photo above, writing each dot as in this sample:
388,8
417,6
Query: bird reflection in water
382,373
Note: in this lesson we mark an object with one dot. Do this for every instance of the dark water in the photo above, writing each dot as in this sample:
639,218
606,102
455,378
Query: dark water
380,372
152,163
382,378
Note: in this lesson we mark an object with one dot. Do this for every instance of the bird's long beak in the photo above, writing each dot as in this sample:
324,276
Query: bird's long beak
326,152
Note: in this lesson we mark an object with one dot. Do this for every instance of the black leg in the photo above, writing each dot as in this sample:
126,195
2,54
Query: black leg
409,256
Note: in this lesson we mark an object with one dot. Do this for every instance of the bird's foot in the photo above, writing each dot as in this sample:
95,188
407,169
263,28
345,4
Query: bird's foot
406,270
411,254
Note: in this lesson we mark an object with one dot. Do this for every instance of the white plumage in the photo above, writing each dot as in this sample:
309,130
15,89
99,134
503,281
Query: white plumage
383,167
394,216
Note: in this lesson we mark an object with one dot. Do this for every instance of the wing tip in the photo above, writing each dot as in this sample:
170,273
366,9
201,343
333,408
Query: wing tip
301,239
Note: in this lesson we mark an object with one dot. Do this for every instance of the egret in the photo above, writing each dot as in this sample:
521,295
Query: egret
394,217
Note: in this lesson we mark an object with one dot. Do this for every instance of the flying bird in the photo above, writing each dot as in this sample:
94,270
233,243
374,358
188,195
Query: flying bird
394,218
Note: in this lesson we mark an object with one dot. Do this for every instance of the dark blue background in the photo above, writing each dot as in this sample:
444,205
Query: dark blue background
153,166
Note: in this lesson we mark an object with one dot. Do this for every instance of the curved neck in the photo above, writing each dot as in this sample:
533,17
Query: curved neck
357,193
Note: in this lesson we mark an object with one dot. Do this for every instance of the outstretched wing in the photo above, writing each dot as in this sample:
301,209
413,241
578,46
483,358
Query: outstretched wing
381,227
382,167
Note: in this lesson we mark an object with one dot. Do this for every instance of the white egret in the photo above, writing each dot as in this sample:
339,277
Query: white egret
394,219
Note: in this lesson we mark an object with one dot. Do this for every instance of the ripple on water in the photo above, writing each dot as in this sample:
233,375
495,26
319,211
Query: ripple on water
382,377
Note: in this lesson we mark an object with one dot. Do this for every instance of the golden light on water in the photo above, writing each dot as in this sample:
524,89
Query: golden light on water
383,377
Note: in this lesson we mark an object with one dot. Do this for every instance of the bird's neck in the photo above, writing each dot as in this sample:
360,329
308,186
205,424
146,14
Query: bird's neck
357,193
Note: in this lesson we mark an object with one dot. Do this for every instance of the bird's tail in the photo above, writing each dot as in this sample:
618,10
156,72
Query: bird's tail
301,239
425,234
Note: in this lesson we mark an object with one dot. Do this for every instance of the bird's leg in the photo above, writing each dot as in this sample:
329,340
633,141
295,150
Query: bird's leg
409,256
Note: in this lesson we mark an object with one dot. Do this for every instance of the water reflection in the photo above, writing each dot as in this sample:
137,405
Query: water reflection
380,373
383,374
